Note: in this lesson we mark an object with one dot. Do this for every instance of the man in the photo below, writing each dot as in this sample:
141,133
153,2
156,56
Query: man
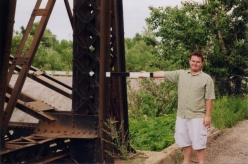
195,100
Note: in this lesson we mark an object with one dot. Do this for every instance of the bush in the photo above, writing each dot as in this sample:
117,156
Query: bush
228,111
154,99
154,134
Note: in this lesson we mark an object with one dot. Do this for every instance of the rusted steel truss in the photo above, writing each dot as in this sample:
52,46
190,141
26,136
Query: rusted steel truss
78,135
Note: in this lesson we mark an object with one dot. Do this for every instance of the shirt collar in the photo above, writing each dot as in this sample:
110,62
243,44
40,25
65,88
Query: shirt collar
188,71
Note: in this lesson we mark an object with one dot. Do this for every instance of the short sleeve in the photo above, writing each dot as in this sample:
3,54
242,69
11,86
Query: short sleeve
171,76
209,89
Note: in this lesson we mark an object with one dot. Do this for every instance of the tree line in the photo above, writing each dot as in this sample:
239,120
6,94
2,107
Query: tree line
216,28
52,54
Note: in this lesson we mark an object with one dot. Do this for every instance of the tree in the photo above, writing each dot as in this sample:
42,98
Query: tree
51,54
64,48
139,55
54,62
217,28
16,40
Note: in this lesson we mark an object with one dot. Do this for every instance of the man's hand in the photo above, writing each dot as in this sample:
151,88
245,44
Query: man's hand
207,120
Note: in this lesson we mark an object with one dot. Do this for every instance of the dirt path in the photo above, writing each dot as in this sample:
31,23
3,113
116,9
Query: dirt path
230,147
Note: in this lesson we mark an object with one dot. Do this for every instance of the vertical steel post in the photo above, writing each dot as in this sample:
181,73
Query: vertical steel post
121,68
104,104
87,52
7,15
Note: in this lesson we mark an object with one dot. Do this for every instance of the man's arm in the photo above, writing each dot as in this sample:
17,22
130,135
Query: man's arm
158,74
207,119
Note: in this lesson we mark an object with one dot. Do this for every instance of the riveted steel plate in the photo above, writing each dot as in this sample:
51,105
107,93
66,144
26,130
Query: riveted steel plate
70,125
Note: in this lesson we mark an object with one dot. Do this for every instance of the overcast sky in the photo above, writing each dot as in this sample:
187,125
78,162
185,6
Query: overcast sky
135,12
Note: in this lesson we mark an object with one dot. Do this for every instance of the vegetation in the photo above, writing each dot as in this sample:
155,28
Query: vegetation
217,28
228,111
152,133
155,99
51,54
153,129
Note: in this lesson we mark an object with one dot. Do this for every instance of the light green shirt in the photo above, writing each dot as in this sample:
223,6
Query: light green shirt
193,91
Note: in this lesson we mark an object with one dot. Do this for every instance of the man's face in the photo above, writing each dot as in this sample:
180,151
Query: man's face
195,63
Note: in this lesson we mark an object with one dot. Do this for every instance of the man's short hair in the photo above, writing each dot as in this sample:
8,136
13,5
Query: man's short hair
198,54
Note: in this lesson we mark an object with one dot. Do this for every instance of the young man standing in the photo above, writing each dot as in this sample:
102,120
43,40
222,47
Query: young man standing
195,100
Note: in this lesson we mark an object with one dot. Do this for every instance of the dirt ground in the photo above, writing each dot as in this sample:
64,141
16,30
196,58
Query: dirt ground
231,146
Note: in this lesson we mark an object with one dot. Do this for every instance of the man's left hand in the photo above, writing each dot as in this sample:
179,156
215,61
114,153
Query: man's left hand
207,121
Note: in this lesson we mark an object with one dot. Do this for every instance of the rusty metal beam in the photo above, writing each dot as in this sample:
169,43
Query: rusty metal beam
42,78
86,54
7,14
86,27
49,84
104,92
19,129
39,72
68,125
68,9
76,128
46,80
24,39
34,149
25,68
120,41
32,107
118,96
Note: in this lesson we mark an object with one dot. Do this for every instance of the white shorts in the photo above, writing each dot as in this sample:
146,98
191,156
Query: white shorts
191,132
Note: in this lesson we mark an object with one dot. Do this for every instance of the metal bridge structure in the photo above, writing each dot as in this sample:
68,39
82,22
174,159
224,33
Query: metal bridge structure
77,135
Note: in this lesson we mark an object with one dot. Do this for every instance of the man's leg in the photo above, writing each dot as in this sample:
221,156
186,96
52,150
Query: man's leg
201,155
182,138
187,152
198,133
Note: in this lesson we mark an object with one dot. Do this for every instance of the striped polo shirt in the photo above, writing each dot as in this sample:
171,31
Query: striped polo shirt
193,90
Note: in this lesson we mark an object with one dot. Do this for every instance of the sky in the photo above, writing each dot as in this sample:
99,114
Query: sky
134,12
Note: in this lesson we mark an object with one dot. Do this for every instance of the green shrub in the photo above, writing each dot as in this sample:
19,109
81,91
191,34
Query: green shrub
154,99
228,111
154,134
